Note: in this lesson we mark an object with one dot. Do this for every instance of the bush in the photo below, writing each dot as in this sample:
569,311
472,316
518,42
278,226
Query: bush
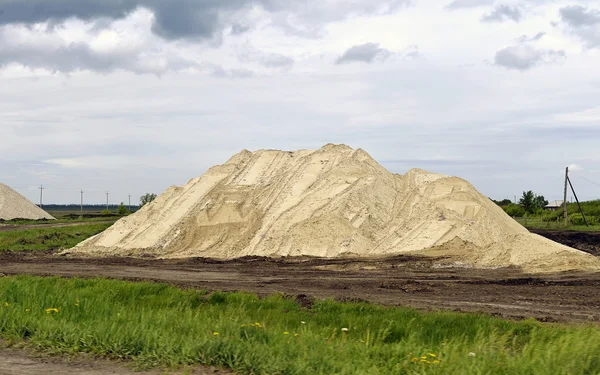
106,213
577,219
514,210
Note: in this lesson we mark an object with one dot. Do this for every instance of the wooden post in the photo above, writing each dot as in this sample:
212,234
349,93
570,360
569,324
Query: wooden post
565,201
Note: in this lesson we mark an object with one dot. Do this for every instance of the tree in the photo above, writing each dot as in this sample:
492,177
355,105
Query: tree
540,202
147,198
531,202
122,210
527,201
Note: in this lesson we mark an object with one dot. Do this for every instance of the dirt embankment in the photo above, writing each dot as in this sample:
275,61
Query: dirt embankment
422,283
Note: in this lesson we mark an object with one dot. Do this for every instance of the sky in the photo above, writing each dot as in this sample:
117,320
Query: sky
133,96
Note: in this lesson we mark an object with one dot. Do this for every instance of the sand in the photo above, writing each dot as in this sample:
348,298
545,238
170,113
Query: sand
330,202
15,206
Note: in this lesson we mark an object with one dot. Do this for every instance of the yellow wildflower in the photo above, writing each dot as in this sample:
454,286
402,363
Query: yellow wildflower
6,304
51,310
286,333
415,360
436,361
216,333
295,335
431,354
27,310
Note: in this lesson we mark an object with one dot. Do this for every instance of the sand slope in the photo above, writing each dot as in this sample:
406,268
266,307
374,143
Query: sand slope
330,202
15,206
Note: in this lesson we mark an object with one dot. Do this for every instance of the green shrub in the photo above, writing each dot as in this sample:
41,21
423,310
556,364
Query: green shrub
514,210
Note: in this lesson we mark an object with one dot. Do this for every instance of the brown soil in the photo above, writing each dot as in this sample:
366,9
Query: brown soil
21,362
401,280
584,241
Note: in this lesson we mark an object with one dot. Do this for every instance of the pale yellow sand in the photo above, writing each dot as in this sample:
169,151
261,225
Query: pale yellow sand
330,202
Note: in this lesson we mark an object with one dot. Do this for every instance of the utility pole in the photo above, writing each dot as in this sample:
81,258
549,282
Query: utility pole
107,193
565,200
41,196
579,205
81,201
130,202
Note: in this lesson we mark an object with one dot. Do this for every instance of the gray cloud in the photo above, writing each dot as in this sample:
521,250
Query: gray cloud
267,59
525,38
363,53
461,4
238,28
583,22
79,56
577,15
524,57
177,19
503,13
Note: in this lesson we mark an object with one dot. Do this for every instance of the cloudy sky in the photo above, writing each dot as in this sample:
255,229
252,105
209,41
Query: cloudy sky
133,96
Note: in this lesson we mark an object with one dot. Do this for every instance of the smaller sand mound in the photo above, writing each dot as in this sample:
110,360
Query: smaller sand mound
15,206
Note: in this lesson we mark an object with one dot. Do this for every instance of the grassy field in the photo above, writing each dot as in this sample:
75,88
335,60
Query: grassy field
48,238
159,325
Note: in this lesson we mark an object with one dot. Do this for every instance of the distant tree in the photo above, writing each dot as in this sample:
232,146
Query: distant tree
147,198
527,201
540,202
514,210
105,213
532,202
504,202
122,210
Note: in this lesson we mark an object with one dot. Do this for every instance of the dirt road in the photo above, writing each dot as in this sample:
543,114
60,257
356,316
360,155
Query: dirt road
406,281
12,227
21,362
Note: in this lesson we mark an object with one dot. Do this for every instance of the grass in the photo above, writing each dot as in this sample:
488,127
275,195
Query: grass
159,325
48,238
537,223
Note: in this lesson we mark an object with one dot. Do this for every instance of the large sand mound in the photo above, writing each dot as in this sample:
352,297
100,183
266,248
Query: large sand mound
330,202
15,206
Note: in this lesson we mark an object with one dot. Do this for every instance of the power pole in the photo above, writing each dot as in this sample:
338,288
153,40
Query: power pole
107,193
41,196
129,201
565,200
82,201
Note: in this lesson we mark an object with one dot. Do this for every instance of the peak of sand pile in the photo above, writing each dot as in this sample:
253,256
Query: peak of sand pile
15,206
329,202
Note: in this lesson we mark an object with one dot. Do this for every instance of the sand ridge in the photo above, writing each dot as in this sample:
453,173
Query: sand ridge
330,202
15,206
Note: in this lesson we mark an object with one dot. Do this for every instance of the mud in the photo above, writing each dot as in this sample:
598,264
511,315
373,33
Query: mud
422,283
584,241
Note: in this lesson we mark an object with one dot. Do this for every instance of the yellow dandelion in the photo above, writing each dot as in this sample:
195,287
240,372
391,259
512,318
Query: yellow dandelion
424,357
415,360
6,304
295,335
431,355
27,310
77,304
286,333
424,361
216,333
51,310
436,361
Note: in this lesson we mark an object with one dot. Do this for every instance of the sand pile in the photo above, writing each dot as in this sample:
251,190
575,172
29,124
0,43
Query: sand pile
15,206
330,202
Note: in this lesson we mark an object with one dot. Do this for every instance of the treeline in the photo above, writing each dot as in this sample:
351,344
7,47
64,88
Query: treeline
532,206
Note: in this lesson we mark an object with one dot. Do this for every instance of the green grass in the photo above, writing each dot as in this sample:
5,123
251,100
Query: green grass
159,325
48,238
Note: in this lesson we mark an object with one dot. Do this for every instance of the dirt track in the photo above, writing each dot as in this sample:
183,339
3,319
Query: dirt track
403,280
12,227
21,362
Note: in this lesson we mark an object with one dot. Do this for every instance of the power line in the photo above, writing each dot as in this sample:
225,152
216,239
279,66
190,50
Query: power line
590,181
